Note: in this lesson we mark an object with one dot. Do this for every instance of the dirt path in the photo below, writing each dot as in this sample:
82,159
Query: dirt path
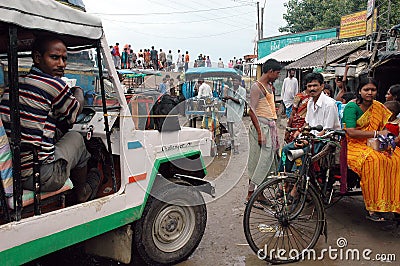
224,242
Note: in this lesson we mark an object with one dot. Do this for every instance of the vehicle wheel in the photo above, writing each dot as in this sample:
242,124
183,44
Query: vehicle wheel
172,225
280,229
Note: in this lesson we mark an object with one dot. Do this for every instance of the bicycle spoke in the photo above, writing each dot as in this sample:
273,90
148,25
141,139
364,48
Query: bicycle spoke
280,224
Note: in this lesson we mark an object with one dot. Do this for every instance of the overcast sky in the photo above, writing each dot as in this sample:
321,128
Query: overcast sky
224,28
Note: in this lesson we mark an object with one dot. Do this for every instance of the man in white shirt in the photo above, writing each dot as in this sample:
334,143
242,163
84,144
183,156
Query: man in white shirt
290,88
204,89
321,110
235,99
220,63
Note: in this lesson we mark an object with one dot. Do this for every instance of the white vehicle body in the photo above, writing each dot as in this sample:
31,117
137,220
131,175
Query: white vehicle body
140,153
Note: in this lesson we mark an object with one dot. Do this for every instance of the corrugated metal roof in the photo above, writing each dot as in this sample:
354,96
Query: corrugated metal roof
334,52
294,51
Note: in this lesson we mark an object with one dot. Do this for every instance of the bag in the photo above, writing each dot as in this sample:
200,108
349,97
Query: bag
165,113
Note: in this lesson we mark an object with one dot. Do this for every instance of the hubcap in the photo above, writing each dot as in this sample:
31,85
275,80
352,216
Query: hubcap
173,227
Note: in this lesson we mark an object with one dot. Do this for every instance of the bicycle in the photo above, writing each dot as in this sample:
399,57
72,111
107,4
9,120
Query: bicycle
285,216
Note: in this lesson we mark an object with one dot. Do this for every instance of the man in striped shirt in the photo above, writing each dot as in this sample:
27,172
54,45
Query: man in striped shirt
45,99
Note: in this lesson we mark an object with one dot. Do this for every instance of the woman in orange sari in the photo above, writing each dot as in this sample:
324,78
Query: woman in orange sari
379,172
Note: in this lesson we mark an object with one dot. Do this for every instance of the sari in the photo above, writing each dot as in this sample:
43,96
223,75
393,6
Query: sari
379,172
299,109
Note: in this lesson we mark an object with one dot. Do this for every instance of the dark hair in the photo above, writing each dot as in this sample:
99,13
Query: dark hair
40,43
393,106
348,96
271,64
395,91
314,76
329,87
239,78
364,80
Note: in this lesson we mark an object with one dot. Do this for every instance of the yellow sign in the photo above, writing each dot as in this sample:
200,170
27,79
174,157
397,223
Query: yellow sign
372,19
353,25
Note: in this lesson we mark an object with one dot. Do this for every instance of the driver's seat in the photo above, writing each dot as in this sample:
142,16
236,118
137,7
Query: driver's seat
6,184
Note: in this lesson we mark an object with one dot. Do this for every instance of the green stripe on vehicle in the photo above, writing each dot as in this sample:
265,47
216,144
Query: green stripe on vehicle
45,245
159,161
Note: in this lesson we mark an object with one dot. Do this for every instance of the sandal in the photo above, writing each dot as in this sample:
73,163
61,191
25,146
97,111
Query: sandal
375,217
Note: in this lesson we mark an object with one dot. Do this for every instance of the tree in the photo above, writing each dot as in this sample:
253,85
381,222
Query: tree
304,15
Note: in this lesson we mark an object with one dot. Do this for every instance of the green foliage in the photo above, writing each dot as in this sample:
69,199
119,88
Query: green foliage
305,15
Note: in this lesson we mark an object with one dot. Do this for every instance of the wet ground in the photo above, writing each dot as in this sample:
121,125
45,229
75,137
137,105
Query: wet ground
224,242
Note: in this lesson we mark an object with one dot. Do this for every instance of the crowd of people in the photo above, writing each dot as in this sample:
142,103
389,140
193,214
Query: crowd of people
127,58
358,113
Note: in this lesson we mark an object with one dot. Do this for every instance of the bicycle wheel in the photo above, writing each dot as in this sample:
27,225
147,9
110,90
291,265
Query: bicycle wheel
279,229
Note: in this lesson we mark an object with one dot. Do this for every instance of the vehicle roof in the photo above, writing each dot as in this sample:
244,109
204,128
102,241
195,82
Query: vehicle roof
35,17
210,72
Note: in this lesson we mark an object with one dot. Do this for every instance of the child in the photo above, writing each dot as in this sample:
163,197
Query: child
346,97
393,125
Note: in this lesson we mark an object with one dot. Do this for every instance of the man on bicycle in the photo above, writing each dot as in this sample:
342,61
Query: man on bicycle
321,110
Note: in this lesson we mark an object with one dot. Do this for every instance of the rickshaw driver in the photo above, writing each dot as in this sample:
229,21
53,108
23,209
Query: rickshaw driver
44,98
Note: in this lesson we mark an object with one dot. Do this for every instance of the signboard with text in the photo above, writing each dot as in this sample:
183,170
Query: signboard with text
353,25
272,44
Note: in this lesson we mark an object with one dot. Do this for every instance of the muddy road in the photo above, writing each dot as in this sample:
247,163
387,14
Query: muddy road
224,242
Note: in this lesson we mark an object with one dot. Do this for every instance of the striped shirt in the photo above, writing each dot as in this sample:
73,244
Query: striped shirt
43,99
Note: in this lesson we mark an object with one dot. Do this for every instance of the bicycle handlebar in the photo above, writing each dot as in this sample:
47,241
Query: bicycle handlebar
305,129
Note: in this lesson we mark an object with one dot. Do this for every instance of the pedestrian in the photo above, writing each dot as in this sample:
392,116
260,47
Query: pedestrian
208,61
163,86
187,59
290,88
154,58
130,59
220,63
263,135
328,90
140,55
163,59
124,59
147,58
341,84
172,91
235,100
205,90
169,60
117,56
393,93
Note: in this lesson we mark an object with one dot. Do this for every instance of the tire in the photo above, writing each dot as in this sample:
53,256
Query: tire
274,224
171,226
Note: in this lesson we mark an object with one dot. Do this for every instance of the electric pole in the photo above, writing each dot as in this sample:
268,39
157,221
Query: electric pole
258,22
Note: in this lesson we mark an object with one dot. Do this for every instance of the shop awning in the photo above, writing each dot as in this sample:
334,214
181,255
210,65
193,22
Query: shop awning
294,51
325,56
